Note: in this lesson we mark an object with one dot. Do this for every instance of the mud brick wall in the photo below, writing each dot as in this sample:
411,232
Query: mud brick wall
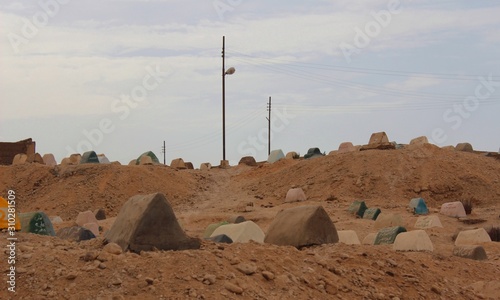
9,150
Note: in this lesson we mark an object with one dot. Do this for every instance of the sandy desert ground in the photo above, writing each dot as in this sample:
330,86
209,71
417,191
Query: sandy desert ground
51,268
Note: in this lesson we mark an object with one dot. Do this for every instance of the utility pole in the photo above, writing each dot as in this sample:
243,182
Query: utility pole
164,151
269,127
223,100
225,72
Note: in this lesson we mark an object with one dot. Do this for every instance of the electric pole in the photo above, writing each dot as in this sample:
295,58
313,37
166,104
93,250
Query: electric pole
223,99
269,127
164,151
225,72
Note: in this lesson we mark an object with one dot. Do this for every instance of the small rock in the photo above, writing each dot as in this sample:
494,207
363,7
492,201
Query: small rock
392,263
247,269
345,289
25,248
209,279
100,214
88,268
149,280
49,258
192,293
56,220
436,290
102,266
89,256
52,294
21,270
268,275
413,280
343,256
331,289
113,248
104,256
71,276
233,288
116,281
335,271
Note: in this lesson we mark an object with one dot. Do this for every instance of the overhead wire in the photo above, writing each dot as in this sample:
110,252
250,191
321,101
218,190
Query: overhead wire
368,70
215,135
301,70
365,107
290,71
352,85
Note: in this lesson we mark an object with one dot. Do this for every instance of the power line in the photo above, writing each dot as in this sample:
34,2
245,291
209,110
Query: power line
370,107
352,85
302,70
215,135
367,70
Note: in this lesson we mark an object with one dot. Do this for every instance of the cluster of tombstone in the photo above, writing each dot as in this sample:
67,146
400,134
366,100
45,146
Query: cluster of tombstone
49,159
300,226
390,226
378,140
391,229
85,226
148,222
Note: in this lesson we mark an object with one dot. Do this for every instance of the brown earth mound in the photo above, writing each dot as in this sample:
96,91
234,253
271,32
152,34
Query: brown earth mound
48,267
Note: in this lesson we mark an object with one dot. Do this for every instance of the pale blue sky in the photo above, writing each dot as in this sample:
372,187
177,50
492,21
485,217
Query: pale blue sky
64,70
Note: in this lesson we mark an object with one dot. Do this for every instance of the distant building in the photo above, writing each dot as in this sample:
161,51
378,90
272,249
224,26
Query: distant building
9,150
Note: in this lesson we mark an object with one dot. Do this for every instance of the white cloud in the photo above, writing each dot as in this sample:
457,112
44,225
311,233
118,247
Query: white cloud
83,61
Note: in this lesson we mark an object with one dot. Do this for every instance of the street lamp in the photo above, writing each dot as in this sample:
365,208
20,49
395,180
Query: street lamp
225,72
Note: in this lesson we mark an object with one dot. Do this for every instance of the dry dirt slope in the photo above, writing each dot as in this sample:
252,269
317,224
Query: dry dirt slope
65,191
393,176
52,268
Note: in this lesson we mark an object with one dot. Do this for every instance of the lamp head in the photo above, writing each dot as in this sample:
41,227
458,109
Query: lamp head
230,71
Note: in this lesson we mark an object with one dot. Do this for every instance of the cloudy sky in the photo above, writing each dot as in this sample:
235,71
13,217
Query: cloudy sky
122,76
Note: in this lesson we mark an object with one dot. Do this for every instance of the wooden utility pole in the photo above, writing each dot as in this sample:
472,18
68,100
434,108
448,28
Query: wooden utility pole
269,127
164,151
223,100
